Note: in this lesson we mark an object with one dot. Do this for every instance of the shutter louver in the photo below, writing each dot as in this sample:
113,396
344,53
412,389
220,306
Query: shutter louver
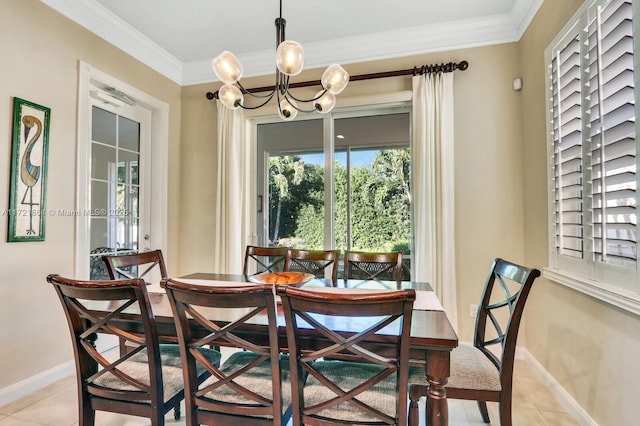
567,148
613,134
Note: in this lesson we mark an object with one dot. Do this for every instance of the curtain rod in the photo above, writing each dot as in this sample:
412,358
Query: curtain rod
424,69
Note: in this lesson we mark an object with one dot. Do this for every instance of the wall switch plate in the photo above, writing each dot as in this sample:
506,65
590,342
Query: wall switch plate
473,310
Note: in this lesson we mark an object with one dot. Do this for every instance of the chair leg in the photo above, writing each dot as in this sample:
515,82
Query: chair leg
505,412
87,416
176,411
191,416
122,346
482,406
415,393
157,419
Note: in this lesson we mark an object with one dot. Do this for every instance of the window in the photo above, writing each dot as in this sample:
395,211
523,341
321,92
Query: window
593,153
359,200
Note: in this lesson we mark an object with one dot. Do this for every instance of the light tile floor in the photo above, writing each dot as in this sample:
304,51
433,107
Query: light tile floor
56,405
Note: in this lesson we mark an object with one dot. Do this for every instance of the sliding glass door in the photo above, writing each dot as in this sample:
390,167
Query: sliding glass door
358,200
372,189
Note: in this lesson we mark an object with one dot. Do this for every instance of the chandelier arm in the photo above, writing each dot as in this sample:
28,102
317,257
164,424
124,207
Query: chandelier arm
295,106
306,100
284,90
246,92
282,83
266,101
278,100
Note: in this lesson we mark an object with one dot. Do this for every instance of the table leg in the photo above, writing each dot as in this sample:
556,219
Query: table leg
437,375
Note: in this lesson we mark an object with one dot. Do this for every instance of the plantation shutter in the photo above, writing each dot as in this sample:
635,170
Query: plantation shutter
567,148
612,135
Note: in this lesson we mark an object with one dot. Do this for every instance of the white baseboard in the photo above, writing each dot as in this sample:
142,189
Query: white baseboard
34,383
561,395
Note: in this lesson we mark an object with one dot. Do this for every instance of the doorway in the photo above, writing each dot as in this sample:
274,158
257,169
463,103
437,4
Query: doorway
121,169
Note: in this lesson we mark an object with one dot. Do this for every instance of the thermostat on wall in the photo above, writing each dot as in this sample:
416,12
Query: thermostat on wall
517,84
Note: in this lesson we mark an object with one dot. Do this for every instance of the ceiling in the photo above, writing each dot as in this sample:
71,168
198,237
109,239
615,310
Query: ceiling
179,38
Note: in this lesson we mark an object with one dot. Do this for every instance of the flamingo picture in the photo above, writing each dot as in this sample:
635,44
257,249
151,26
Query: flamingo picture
30,173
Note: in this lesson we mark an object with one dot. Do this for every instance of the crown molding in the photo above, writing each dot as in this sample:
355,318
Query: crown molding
106,25
523,13
370,47
410,41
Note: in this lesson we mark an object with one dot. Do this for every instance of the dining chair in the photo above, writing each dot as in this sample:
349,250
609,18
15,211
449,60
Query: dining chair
371,387
373,266
148,265
484,371
251,387
147,381
264,259
315,262
137,265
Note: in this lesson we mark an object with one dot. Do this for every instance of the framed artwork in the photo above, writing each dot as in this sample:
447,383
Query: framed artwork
28,171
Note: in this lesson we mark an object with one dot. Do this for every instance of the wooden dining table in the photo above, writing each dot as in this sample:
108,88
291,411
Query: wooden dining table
432,336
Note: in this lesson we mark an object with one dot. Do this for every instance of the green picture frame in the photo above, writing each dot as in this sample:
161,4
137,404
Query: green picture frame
29,153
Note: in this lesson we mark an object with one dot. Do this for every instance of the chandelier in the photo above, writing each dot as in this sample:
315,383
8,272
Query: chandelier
289,62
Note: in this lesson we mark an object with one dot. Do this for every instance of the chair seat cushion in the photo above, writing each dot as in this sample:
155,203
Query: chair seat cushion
347,375
170,356
470,369
138,368
257,379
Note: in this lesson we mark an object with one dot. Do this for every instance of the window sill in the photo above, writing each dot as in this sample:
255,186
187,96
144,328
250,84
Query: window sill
622,299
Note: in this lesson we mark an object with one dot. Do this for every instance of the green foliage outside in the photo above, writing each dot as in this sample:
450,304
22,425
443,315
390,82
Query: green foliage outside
380,203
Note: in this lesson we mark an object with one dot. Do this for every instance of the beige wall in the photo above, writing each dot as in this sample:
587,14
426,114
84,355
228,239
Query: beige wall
39,62
588,346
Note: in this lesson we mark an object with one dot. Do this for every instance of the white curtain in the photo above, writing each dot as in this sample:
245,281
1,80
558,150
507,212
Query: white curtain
231,212
433,187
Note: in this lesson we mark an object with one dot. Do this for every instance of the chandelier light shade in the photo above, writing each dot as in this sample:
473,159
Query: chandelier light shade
335,79
290,57
288,109
326,101
227,67
289,62
231,96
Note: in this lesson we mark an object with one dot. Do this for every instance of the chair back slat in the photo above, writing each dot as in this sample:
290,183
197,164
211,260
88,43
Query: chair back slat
137,265
319,263
500,311
264,259
373,266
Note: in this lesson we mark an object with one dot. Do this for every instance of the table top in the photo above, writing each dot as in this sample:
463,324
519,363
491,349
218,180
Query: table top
430,329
